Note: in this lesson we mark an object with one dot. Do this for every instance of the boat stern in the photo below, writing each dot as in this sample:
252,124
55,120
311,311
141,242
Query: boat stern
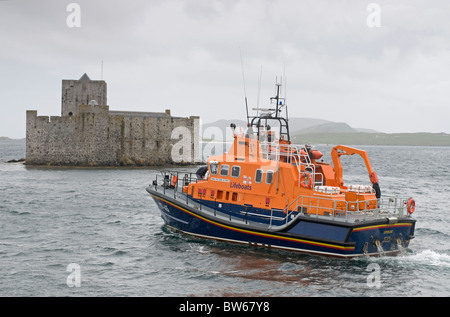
388,236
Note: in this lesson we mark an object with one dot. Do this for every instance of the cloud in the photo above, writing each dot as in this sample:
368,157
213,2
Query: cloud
186,56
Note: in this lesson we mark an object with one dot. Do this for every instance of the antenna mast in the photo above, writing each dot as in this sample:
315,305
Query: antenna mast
280,102
245,91
259,91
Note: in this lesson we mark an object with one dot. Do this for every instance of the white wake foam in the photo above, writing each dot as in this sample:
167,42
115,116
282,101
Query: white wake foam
427,257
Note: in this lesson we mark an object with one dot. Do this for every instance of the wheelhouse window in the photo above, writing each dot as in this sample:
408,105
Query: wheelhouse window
269,177
258,176
235,171
213,168
224,169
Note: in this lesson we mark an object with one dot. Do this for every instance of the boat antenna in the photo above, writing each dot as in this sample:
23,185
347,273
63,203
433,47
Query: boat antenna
259,91
277,97
243,79
285,91
285,94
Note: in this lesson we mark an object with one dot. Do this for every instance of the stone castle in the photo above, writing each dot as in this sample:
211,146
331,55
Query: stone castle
88,134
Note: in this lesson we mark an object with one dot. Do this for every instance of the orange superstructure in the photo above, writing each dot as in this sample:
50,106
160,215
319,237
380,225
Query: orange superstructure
262,169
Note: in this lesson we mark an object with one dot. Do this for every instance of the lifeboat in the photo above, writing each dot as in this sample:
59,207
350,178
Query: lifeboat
267,192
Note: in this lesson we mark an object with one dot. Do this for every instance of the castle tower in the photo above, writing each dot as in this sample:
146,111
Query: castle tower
82,91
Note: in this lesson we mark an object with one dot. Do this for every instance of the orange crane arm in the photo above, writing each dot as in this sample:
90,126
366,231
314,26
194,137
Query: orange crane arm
340,150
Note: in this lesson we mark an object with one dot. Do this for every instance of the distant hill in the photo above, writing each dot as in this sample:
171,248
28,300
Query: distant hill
225,123
366,130
298,124
329,127
4,138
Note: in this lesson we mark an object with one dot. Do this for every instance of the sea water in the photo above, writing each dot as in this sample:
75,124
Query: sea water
96,232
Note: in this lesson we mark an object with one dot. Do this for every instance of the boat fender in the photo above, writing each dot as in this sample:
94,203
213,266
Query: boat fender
411,206
376,188
306,180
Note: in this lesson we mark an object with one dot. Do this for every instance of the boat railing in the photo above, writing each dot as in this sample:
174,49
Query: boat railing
323,206
315,206
319,206
174,181
396,206
296,155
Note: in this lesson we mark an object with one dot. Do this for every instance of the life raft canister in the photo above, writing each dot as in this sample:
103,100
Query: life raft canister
411,206
306,180
315,154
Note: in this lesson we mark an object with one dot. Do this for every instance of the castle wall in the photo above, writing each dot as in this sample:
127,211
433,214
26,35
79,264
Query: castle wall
96,137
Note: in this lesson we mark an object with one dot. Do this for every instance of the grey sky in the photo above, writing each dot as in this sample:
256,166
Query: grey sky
184,55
